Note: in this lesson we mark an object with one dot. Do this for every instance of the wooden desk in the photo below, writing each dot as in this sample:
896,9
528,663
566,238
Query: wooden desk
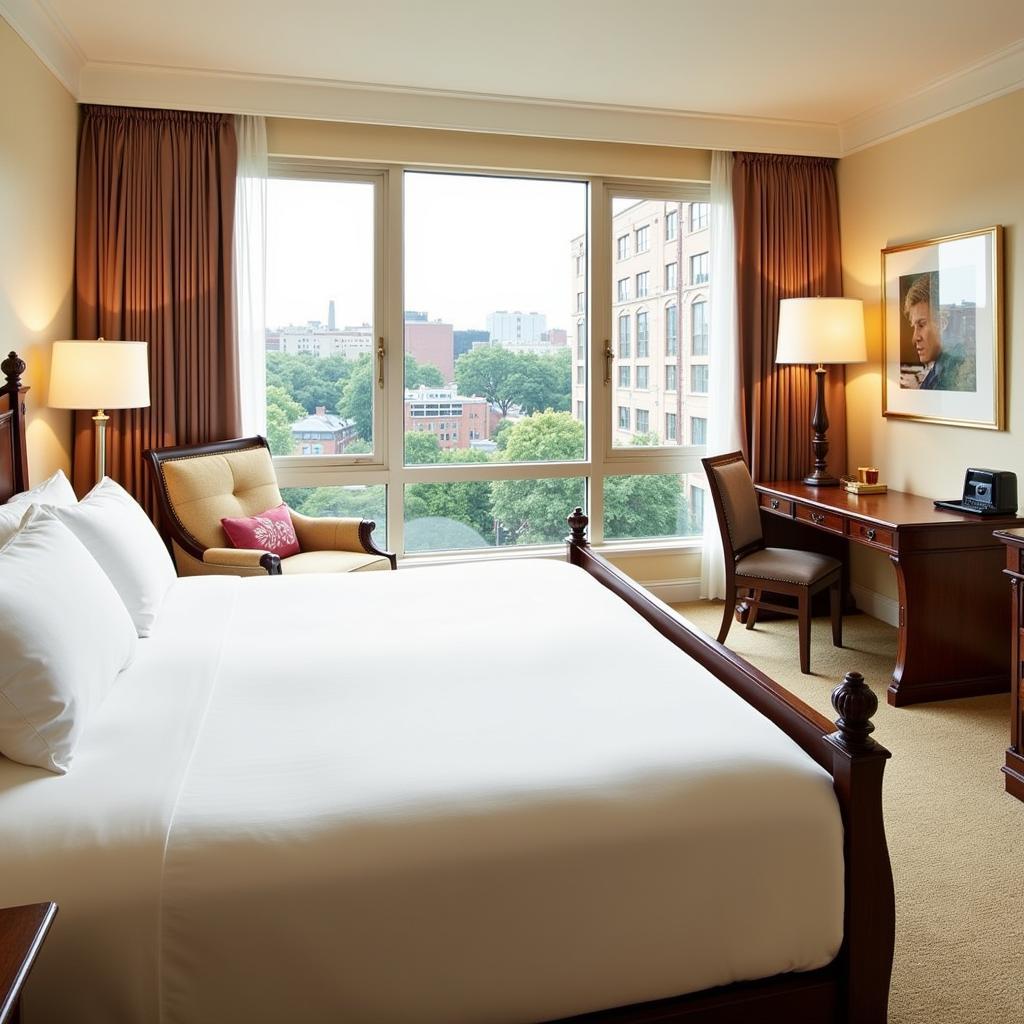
953,600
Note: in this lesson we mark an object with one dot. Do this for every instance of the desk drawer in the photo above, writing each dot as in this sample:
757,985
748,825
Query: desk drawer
822,520
872,536
780,506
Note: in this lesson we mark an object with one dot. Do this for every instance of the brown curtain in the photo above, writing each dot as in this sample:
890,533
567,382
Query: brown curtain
787,246
153,262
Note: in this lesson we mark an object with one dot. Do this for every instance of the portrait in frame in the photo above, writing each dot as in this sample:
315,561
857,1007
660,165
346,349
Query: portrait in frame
942,330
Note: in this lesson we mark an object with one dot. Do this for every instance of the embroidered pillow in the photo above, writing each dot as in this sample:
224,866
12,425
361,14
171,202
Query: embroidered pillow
269,531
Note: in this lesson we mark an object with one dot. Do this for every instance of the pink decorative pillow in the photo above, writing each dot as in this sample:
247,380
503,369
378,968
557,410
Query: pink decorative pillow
269,531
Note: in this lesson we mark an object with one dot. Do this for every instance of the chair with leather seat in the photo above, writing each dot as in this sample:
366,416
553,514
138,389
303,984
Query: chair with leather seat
752,567
198,485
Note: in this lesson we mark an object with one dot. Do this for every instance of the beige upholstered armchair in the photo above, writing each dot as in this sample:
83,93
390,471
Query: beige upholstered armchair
199,485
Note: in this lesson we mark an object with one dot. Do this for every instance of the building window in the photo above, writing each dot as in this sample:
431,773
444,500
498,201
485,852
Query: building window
623,289
671,331
624,417
699,324
580,298
699,268
580,411
671,276
580,265
641,284
700,379
643,421
641,336
698,430
671,225
670,426
642,244
699,216
622,247
671,377
696,509
623,376
642,378
581,375
624,340
581,343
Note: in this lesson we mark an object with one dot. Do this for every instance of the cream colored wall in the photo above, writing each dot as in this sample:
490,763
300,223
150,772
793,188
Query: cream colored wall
38,141
959,174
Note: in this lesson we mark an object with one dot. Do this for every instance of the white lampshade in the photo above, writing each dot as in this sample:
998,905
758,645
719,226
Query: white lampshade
99,375
821,331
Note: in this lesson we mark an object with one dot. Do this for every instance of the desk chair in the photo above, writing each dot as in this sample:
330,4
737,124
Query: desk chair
757,569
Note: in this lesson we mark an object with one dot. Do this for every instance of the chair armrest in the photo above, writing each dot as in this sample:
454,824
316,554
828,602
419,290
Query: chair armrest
334,533
243,558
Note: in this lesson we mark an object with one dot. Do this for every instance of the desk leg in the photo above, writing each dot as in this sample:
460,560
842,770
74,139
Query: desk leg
952,639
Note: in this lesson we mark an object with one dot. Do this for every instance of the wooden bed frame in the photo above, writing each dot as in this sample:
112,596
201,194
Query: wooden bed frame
854,988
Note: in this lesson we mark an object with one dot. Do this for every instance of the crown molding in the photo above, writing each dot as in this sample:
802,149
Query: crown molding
996,75
317,99
47,38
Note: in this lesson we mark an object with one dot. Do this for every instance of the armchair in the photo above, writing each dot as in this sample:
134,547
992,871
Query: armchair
198,485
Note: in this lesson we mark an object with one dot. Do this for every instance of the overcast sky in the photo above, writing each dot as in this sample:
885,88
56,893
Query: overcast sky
472,245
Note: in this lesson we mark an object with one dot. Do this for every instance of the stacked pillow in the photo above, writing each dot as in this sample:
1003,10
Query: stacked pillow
79,582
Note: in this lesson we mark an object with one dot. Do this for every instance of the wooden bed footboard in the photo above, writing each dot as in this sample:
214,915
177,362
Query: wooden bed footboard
854,988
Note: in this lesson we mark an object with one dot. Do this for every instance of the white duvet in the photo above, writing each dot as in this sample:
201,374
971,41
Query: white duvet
486,793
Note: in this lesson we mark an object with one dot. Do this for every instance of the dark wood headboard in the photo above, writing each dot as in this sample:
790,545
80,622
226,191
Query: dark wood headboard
13,452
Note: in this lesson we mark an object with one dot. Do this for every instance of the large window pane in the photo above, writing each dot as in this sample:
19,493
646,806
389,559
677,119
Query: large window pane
481,514
320,310
652,505
493,338
368,502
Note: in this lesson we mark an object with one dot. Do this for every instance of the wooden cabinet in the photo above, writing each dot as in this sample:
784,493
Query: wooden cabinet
1013,770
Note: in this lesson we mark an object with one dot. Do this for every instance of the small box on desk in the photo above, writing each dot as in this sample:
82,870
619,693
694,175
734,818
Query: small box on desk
856,487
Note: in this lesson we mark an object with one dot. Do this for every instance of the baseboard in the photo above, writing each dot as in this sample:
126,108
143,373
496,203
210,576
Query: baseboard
674,591
883,608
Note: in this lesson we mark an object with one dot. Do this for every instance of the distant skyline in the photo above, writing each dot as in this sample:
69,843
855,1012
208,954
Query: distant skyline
473,244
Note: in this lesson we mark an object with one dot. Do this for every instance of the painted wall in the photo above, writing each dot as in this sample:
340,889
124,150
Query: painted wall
958,174
38,142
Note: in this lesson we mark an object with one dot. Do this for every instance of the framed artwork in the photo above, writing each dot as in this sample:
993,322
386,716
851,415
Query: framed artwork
942,330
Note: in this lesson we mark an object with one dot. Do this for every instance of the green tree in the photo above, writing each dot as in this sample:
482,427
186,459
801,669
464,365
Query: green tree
541,382
356,401
467,502
421,448
651,505
282,412
485,371
421,373
307,379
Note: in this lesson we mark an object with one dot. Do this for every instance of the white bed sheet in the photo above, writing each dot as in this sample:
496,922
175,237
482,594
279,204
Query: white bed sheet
428,814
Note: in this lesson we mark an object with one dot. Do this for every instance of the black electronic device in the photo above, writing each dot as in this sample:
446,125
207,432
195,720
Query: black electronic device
987,492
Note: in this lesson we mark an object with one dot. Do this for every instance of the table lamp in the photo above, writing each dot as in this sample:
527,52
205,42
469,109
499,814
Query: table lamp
99,375
821,331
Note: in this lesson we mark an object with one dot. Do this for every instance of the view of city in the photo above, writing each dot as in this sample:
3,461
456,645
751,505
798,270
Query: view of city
510,385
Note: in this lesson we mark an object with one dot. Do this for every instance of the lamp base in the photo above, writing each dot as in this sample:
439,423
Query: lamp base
824,480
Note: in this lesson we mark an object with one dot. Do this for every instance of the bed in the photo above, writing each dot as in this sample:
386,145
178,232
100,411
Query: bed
441,828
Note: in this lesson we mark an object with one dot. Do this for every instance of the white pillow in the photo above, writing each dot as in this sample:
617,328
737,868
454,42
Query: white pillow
120,536
65,636
54,491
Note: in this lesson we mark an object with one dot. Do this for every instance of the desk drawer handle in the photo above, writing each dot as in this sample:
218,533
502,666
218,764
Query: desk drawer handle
774,504
817,517
870,533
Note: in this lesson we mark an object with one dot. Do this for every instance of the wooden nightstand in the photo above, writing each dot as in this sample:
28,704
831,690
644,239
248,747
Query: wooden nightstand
22,932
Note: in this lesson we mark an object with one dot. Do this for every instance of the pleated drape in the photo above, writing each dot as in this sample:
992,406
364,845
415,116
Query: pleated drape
787,246
154,263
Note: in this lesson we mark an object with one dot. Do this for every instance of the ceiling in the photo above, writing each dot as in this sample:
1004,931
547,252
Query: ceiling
814,63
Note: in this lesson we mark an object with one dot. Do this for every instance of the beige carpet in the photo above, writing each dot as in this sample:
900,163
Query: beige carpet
956,839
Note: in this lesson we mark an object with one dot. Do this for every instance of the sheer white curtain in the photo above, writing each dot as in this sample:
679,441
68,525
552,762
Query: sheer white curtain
251,270
724,416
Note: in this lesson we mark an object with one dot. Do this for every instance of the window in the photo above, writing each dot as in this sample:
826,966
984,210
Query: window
641,284
641,336
624,341
581,411
642,377
581,341
624,417
581,265
696,509
643,421
699,324
623,376
580,300
671,276
671,377
671,331
698,430
700,379
699,216
699,268
623,290
670,426
671,225
641,239
622,247
581,375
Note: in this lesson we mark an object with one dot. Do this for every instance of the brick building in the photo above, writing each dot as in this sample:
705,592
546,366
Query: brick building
456,421
323,433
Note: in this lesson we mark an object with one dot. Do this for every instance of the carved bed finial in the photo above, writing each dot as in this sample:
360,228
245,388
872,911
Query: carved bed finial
12,368
578,521
855,702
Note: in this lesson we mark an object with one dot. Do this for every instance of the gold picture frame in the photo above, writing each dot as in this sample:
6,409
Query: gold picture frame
942,330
